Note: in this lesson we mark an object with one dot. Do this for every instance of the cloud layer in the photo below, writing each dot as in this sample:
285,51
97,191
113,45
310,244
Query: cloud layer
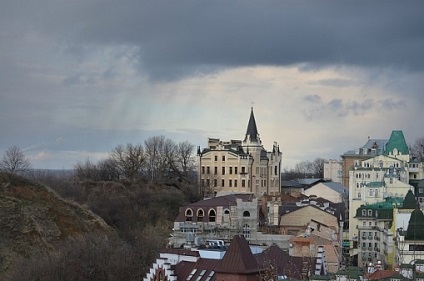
80,77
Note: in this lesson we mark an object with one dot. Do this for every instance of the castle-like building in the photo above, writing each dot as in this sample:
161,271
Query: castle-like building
237,166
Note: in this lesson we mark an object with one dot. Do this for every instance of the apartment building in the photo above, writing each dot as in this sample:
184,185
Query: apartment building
238,166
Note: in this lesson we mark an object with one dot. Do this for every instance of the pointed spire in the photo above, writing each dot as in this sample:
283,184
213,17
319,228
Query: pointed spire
238,259
252,130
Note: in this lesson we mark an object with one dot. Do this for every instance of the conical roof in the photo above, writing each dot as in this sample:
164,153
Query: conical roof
252,130
416,226
409,202
239,258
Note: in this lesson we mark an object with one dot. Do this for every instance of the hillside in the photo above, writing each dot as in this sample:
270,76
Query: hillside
33,219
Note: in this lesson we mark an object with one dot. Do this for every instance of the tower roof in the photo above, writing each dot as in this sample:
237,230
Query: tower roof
252,130
238,259
409,202
397,141
415,225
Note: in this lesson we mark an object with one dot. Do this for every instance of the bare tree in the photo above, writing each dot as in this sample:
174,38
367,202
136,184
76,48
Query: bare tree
318,167
158,152
15,161
129,160
417,149
185,157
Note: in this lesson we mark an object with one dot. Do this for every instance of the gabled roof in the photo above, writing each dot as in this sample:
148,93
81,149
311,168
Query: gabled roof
337,187
396,141
239,258
200,270
381,274
291,267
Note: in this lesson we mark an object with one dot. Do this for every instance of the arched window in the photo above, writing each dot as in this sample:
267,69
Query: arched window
364,212
189,214
212,215
370,213
200,215
226,217
246,214
246,231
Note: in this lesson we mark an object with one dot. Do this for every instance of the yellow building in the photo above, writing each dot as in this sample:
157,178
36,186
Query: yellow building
240,166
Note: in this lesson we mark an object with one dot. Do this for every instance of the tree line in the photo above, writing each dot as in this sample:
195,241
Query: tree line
158,160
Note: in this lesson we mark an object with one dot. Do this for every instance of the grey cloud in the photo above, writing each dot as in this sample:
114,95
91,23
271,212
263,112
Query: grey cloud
337,82
390,104
180,37
341,108
313,99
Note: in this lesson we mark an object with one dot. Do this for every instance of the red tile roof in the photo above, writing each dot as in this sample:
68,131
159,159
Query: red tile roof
380,274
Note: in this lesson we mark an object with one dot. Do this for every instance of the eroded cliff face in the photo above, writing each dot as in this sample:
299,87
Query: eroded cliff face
33,219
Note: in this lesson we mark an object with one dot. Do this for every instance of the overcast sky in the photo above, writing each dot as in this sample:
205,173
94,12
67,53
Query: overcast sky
78,78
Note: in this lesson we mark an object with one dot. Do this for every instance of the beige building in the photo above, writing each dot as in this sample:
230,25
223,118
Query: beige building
333,170
237,166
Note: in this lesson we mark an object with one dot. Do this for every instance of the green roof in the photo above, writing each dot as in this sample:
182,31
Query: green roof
409,202
415,226
375,184
396,141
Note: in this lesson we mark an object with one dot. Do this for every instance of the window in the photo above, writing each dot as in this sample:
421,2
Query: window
208,170
246,231
215,182
208,182
243,183
223,170
231,170
223,158
370,213
212,215
420,190
235,183
243,170
235,170
215,170
200,215
230,183
216,158
246,214
203,169
364,223
222,182
189,214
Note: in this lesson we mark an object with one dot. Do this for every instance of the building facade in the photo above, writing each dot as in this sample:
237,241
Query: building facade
237,166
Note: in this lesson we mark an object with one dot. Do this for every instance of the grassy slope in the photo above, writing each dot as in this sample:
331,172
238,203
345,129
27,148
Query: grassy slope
33,218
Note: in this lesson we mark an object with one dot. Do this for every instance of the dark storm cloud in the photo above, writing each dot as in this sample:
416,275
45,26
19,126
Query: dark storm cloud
175,38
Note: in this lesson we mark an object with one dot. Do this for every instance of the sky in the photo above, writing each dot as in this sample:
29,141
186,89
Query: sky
78,78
